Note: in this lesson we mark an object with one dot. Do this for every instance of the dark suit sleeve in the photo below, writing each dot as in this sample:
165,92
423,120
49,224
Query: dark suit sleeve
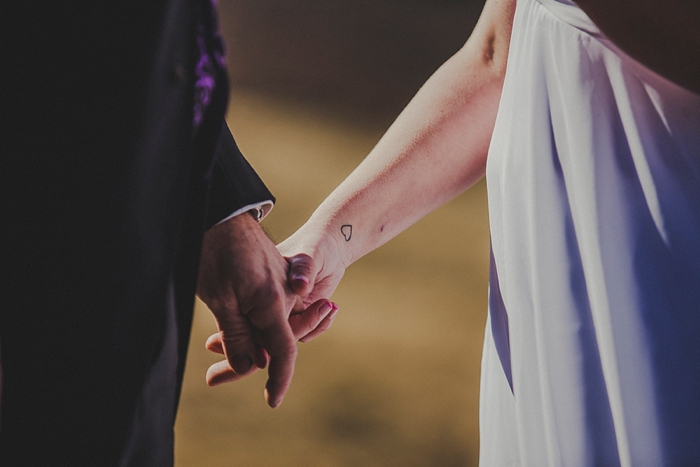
234,184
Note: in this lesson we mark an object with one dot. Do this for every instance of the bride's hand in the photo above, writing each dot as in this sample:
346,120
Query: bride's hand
315,270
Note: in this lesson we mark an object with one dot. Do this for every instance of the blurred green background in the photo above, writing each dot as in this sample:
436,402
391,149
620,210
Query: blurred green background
315,83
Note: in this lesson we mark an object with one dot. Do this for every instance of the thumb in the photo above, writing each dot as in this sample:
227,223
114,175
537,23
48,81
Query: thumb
301,274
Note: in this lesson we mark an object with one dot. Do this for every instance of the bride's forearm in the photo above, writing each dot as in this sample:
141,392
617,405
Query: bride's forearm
435,149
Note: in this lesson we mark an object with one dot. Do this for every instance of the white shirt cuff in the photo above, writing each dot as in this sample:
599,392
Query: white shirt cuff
263,210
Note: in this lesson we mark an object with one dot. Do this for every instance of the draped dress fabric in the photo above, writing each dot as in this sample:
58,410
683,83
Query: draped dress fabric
592,349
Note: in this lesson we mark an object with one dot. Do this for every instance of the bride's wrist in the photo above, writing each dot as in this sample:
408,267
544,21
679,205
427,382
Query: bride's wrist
332,238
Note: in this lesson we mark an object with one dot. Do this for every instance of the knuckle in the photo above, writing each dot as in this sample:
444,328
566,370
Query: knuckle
235,337
270,297
290,351
302,263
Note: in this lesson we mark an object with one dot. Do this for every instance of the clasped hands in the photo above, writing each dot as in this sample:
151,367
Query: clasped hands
262,303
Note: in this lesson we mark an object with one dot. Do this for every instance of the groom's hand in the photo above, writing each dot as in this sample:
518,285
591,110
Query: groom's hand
243,280
303,322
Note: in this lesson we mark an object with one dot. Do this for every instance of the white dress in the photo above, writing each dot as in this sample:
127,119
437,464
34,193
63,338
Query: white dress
592,350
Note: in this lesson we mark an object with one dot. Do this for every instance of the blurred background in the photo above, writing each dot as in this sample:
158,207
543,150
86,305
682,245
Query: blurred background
315,83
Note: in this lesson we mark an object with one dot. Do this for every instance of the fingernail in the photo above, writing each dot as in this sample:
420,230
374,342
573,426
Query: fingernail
273,404
334,312
301,278
325,308
241,363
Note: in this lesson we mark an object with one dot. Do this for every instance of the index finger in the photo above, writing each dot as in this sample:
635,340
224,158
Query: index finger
280,343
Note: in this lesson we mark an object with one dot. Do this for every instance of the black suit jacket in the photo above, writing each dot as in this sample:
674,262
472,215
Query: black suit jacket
105,197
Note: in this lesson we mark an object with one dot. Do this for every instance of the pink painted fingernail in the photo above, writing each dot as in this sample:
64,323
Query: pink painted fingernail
325,308
301,278
334,312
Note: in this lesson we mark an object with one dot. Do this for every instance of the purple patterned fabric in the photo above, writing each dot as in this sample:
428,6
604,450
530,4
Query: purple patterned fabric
211,61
